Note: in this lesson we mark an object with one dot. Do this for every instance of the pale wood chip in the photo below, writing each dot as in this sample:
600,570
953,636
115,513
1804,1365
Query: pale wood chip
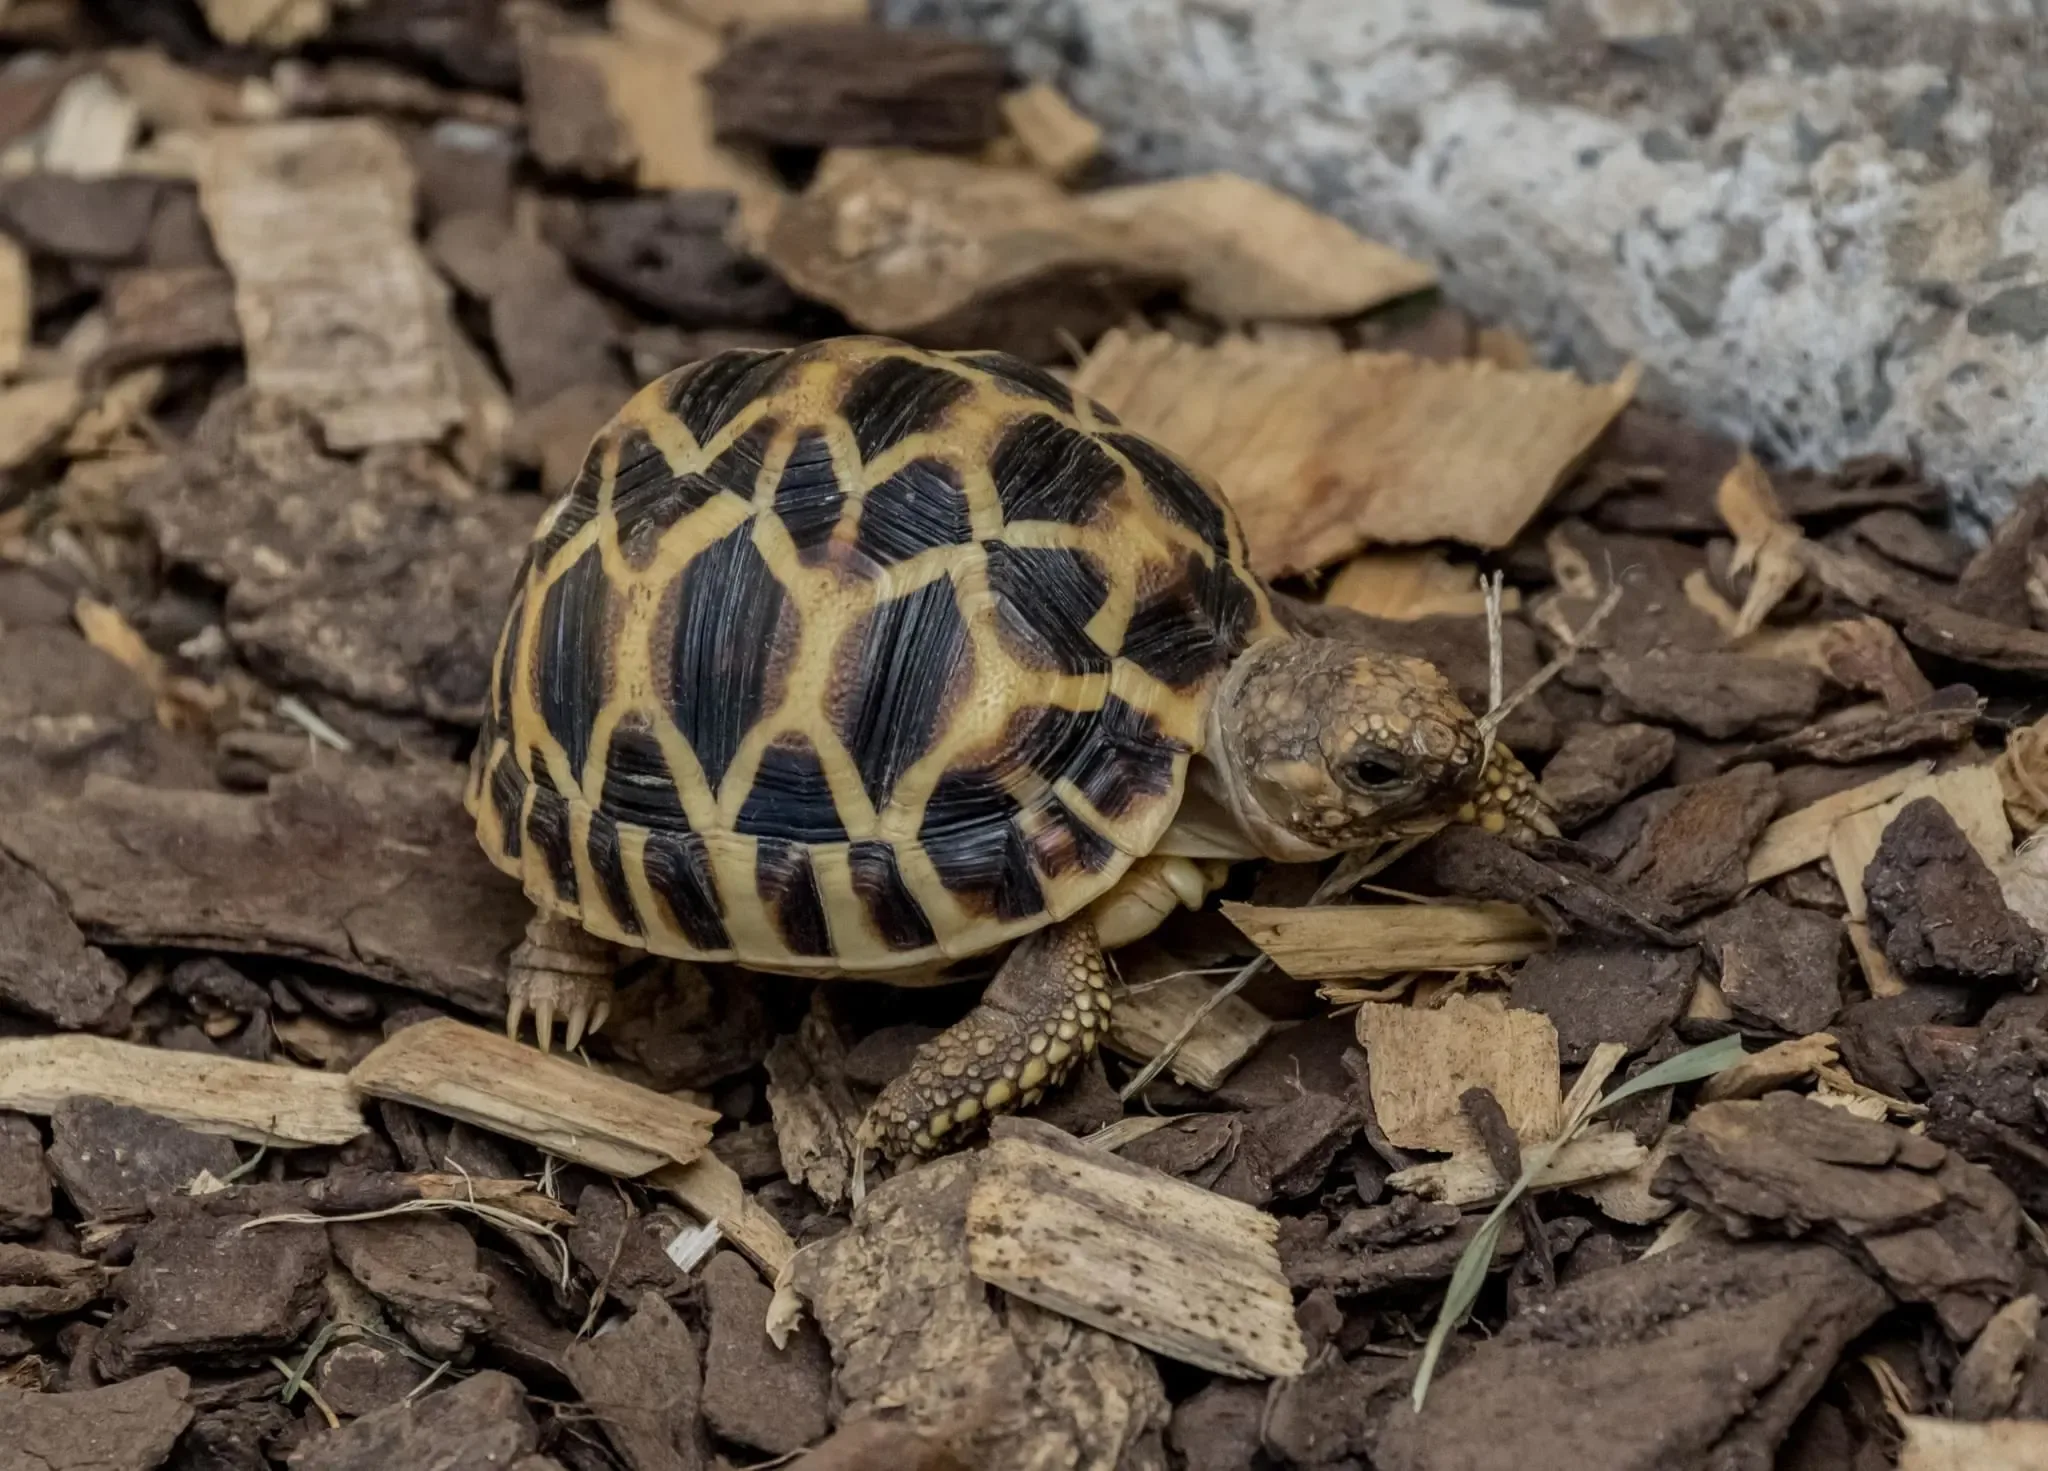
1988,1445
107,629
1799,838
2022,769
817,1119
710,1188
173,98
763,13
1971,794
1322,456
1468,1179
1412,583
340,311
276,25
90,130
17,309
1504,347
1250,252
1141,1023
1057,139
1626,1195
255,1102
1878,974
1774,1067
1310,942
34,416
1423,1059
945,248
1766,541
486,1078
1167,1265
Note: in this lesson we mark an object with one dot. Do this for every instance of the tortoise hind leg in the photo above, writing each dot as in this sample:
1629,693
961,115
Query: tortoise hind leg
559,969
1044,1011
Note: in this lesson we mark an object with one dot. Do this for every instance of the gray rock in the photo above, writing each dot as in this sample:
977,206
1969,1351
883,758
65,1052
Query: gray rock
1811,232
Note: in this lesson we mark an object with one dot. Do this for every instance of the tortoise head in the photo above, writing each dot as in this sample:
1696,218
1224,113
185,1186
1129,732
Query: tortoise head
1324,746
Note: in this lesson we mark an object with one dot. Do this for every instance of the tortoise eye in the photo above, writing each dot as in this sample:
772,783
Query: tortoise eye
1373,769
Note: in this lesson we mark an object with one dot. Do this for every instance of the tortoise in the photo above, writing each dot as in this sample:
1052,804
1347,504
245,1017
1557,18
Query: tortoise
860,660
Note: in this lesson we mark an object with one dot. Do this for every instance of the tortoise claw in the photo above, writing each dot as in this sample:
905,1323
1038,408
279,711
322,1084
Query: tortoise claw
559,972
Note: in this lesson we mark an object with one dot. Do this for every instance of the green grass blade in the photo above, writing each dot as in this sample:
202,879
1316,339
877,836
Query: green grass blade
1689,1066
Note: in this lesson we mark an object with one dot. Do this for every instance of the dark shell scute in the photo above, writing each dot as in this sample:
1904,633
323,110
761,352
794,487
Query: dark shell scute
920,507
782,870
1019,376
878,883
1177,492
898,665
791,798
1064,842
574,654
610,868
508,664
1044,599
895,398
1045,471
638,786
508,796
679,870
1191,628
579,510
707,395
728,616
808,497
648,498
547,828
970,835
1124,758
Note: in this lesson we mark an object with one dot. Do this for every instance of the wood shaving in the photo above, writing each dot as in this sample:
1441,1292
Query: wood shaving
1311,942
1058,140
1423,1059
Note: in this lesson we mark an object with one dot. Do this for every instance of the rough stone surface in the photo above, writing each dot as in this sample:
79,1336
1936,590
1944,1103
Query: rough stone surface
1821,226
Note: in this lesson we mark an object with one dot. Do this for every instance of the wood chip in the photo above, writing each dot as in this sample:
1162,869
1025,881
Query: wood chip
723,14
1057,139
91,129
1972,796
1413,583
17,309
1626,1196
1165,1264
1252,253
1878,974
277,25
710,1188
949,251
255,1102
486,1078
1460,451
1142,1023
1765,542
1802,837
1423,1059
340,311
34,416
1311,942
1926,622
1991,1445
1467,1180
1773,1068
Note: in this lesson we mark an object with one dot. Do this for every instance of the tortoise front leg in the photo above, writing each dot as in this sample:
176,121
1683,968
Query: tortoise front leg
1044,1011
560,969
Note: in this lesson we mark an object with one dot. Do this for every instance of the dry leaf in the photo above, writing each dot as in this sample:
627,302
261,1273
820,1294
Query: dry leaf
340,312
1057,139
1422,1061
1766,541
1321,456
1251,253
958,254
1801,837
1413,583
277,25
33,416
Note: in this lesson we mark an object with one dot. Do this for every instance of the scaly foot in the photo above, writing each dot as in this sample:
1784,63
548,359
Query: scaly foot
560,969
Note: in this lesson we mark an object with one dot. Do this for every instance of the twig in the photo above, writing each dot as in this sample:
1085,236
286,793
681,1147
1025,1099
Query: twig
1575,640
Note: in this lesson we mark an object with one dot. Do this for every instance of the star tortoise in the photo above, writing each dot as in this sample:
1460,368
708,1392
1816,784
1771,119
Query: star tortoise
857,660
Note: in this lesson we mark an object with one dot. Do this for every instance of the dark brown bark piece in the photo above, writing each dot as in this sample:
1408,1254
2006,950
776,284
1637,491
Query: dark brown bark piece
1935,906
1598,765
1285,1149
481,1424
46,1284
1906,539
1702,1356
879,1445
109,1157
1594,993
1383,1247
1694,855
24,1179
101,220
46,968
1994,584
361,1378
1330,1416
1780,966
644,1382
1217,1427
1985,1084
1866,732
372,579
157,314
1654,471
775,1400
424,1267
1935,1227
1926,622
670,254
374,871
467,43
1864,483
1873,1033
1718,695
200,1287
1197,1147
570,125
857,85
623,1250
1472,863
124,1427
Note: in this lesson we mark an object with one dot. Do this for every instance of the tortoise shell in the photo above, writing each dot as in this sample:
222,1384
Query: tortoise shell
855,658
